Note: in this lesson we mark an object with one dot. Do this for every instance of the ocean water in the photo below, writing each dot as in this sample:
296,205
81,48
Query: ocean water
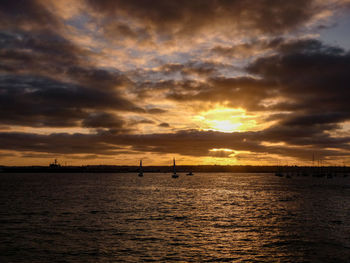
210,217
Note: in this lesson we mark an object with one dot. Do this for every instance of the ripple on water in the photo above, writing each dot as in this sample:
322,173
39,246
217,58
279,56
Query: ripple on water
207,218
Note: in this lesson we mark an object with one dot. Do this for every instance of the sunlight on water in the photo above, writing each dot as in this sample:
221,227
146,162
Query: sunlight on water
207,217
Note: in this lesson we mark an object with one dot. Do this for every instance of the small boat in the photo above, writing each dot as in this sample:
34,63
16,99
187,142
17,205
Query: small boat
55,165
140,170
175,175
190,173
279,174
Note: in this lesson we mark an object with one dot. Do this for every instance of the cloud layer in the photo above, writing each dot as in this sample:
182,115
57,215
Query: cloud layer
130,78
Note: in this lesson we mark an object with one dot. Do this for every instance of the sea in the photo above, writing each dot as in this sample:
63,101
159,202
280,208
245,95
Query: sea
208,217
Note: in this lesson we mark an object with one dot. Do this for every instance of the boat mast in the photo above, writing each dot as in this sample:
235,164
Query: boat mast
140,166
140,169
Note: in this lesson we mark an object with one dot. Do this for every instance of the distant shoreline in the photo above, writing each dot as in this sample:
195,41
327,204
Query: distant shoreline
167,169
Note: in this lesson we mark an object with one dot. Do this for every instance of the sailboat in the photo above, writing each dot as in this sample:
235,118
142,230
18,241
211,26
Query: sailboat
279,172
175,175
140,170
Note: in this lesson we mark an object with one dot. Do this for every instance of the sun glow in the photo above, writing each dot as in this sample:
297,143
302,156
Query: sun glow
221,149
226,125
226,120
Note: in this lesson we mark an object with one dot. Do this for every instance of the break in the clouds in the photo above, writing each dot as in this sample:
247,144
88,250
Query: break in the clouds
210,81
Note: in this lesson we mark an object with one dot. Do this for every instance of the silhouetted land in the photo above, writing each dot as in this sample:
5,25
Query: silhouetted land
181,168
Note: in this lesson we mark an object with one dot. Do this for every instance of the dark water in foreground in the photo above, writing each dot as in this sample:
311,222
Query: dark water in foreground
205,218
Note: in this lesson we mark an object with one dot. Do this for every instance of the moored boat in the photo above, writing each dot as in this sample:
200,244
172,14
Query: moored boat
140,170
174,175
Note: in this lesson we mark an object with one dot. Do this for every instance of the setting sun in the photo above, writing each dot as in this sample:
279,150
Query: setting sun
226,125
226,120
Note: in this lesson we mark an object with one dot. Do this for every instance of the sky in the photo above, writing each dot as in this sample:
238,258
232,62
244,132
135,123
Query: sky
226,82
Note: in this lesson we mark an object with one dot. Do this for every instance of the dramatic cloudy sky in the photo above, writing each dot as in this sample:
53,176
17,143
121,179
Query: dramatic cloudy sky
205,81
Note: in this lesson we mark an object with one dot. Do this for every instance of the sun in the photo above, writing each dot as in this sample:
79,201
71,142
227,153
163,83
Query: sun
225,120
225,125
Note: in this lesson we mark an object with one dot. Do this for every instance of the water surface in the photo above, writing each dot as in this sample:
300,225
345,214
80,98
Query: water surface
217,217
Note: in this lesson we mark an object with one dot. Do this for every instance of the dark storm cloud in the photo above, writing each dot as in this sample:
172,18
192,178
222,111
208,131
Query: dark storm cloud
96,78
46,83
311,136
44,52
191,68
166,87
119,31
46,80
199,143
246,92
175,79
54,143
40,101
49,54
26,14
43,42
186,17
317,119
249,48
103,120
190,142
279,44
313,77
307,46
